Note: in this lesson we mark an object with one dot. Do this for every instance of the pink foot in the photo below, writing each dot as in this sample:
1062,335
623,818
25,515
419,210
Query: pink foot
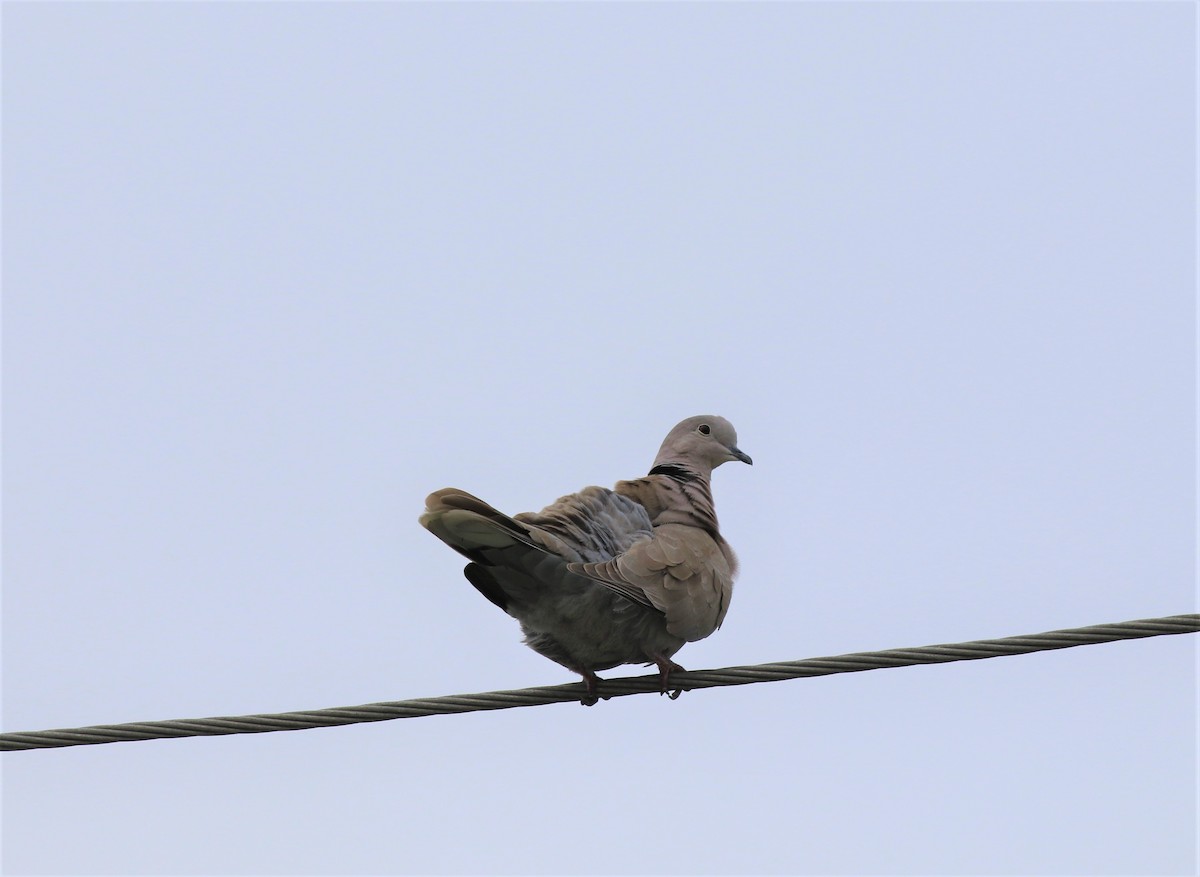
665,666
590,679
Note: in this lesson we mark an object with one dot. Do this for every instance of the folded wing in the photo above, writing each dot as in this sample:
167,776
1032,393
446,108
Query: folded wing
682,572
517,557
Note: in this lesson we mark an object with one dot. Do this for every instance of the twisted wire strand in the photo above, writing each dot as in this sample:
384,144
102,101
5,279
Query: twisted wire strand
684,681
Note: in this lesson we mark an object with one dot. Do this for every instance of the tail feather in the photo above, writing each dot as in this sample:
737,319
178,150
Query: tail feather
486,584
508,566
468,524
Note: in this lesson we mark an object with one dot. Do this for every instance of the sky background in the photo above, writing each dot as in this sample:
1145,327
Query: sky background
274,272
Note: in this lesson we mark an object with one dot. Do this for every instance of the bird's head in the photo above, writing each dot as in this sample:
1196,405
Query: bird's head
703,442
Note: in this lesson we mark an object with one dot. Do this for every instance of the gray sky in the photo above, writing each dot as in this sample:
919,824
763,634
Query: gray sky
274,272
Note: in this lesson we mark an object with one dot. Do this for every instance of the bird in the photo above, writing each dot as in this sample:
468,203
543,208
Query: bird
601,578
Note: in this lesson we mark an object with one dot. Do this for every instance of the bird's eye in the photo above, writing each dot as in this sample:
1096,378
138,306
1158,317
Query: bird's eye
703,429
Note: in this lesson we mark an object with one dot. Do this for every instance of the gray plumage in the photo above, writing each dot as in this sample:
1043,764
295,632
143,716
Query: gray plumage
606,577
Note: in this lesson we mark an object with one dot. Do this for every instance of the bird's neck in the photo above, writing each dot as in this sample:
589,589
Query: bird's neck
685,496
684,466
681,472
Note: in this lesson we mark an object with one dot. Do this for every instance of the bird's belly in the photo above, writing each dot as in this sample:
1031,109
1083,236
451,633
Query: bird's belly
596,630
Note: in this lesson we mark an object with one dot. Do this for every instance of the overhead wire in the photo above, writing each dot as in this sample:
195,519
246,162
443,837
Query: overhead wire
608,688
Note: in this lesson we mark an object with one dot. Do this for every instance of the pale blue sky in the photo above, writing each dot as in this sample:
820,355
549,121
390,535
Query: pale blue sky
273,272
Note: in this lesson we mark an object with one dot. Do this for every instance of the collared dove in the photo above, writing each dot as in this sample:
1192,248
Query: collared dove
608,577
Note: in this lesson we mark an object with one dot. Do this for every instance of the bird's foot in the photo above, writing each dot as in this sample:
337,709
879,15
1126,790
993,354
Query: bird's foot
665,667
591,680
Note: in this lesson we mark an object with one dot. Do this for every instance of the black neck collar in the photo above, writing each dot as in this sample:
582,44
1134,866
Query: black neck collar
673,470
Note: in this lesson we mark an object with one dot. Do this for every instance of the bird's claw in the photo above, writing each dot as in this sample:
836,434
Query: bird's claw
591,697
665,667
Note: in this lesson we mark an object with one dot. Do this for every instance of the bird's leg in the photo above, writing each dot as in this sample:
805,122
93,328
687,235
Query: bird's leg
590,679
665,666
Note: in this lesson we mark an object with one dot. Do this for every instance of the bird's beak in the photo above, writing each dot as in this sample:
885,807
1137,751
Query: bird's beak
739,455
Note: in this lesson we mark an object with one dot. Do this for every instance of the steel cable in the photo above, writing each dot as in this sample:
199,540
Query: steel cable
621,687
